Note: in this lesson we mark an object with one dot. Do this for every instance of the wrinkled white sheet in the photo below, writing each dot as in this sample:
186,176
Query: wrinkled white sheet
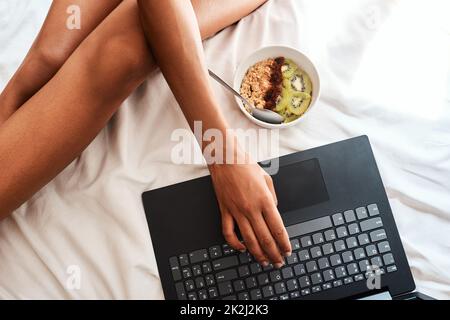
385,72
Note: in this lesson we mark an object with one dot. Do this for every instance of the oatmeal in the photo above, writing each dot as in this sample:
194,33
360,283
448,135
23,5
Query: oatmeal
262,83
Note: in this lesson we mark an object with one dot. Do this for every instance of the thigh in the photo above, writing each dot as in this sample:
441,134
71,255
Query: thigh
215,15
52,47
55,125
56,39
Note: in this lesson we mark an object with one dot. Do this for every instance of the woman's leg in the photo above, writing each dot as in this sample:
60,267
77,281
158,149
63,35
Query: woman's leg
55,125
52,47
215,15
55,43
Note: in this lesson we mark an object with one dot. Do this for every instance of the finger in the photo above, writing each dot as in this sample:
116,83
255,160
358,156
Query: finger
266,240
269,182
251,242
229,233
275,222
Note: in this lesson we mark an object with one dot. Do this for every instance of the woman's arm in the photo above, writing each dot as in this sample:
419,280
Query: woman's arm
173,34
52,47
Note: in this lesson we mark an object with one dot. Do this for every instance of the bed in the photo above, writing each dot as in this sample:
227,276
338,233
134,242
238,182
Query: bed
84,236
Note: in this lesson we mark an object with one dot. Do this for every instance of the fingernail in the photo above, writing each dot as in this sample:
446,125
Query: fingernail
278,265
243,250
288,254
264,263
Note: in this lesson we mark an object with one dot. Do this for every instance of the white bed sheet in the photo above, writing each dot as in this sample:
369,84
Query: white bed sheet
385,73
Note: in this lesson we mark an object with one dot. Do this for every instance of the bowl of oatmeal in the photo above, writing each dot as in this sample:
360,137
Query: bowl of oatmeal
281,79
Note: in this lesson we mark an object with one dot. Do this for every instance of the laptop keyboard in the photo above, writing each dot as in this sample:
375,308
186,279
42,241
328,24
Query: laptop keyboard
327,252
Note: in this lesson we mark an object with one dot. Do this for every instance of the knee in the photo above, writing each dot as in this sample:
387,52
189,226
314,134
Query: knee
51,56
126,58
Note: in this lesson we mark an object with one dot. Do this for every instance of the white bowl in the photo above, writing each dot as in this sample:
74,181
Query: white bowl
273,52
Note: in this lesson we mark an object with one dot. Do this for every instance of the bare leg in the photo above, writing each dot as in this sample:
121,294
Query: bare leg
215,15
55,43
55,125
52,47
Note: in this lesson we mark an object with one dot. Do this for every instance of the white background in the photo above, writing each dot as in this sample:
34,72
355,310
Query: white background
384,66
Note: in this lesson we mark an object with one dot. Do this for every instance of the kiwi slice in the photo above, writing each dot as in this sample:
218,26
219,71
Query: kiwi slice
307,85
282,101
291,118
297,83
288,69
299,103
287,84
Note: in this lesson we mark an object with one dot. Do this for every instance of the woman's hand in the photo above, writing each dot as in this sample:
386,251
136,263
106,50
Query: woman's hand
246,196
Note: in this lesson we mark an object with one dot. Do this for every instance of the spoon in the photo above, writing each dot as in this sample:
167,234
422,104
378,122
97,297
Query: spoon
260,114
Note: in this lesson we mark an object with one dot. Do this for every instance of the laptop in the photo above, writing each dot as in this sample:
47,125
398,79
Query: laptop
343,235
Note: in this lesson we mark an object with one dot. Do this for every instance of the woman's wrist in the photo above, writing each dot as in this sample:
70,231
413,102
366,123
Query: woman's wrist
233,154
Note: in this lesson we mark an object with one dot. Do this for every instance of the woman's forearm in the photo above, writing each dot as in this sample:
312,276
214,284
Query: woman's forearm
172,30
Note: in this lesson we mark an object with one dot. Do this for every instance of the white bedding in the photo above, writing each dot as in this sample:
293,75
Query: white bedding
385,72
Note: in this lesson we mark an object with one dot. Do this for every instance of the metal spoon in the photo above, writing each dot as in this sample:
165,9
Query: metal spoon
260,114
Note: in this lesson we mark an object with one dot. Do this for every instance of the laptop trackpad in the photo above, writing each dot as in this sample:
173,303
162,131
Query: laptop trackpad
300,185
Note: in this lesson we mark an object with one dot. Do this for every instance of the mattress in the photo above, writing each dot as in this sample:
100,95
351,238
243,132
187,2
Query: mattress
85,236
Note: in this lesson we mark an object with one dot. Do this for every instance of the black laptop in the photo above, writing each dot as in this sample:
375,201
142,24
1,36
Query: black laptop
343,234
